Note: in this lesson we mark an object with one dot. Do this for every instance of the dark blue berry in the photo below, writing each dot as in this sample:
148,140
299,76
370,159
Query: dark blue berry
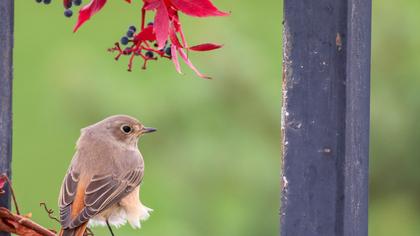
132,28
47,1
168,51
38,1
77,2
68,13
124,40
130,33
149,54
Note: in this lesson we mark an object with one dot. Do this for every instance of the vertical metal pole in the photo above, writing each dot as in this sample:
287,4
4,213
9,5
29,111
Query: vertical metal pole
325,117
6,75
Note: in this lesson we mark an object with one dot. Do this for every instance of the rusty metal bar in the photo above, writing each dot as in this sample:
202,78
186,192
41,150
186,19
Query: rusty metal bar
325,117
6,75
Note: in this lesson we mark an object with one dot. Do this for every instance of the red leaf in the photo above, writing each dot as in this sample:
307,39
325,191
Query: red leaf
205,47
161,24
3,181
175,60
151,5
188,62
87,11
198,8
146,34
174,38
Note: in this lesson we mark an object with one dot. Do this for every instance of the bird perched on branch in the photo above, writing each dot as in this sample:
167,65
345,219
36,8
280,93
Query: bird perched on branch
102,184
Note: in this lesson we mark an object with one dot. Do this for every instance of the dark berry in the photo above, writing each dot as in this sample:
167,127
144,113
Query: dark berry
68,5
124,40
38,1
47,1
150,24
130,33
68,13
155,45
149,54
77,2
168,51
132,28
127,51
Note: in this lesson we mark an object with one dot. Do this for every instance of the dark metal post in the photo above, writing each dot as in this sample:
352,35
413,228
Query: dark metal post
325,117
6,75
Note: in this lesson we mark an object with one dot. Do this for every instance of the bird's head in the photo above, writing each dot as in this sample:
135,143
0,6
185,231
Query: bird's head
122,128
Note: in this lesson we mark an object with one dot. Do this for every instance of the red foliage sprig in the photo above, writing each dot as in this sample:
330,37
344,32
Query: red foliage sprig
164,37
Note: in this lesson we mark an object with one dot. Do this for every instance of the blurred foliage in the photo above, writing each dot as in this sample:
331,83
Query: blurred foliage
395,130
213,166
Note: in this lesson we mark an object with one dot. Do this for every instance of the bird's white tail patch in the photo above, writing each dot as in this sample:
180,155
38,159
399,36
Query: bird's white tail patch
141,213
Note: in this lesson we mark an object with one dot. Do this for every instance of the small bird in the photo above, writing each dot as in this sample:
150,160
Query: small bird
102,184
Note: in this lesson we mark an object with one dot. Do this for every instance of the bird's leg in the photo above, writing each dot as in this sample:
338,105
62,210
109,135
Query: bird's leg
109,227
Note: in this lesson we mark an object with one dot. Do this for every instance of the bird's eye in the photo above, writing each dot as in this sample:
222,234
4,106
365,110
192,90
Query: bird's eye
126,129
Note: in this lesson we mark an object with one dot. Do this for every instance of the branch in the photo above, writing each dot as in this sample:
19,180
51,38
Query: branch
49,211
17,223
3,180
20,225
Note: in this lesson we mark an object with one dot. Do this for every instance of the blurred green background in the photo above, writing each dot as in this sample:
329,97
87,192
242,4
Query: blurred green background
395,126
213,167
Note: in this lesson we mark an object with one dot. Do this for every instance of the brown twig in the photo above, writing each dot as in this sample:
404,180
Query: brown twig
49,211
9,183
21,224
88,232
17,224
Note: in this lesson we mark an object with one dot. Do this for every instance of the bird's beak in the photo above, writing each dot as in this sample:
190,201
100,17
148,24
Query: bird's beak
146,130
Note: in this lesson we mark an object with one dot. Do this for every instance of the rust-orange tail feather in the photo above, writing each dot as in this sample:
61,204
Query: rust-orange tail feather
76,208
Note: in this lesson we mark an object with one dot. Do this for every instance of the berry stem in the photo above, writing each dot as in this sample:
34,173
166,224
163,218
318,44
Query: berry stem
143,18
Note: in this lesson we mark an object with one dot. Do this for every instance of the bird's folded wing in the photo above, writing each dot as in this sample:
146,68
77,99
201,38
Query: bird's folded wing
101,192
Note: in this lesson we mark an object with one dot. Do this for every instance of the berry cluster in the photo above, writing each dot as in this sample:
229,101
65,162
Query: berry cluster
163,38
46,2
130,33
140,46
67,5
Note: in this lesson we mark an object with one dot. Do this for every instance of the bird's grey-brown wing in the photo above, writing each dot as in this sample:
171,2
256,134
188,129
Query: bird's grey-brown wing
101,192
67,195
